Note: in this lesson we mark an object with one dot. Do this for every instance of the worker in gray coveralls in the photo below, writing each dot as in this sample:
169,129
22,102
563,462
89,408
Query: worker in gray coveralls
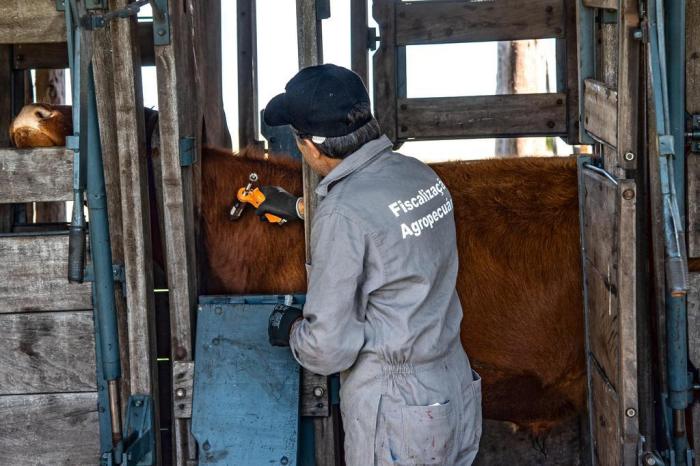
381,307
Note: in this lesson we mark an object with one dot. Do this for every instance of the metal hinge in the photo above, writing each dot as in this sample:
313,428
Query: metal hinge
372,39
188,156
693,135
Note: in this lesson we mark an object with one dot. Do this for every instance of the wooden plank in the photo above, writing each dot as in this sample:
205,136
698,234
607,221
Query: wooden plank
47,352
136,228
59,429
606,422
33,175
482,116
627,295
603,318
607,64
627,90
35,21
606,4
384,69
247,73
173,63
600,112
359,53
571,70
54,55
599,222
450,21
33,276
5,120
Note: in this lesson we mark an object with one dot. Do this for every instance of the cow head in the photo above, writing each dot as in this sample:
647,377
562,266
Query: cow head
41,125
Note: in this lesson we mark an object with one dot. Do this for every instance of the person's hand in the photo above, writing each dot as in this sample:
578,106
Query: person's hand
280,324
280,203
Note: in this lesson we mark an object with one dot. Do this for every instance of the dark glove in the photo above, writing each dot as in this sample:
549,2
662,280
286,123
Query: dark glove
280,324
278,202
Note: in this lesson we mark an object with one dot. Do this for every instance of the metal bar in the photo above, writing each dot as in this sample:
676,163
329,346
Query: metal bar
674,238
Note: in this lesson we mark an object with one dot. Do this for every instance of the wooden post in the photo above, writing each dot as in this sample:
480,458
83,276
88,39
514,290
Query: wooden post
5,120
50,89
175,97
359,55
136,227
326,422
247,73
627,91
104,90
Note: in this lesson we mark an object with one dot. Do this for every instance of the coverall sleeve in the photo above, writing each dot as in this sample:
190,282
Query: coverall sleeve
331,334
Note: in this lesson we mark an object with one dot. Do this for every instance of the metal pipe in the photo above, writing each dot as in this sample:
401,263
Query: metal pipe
115,411
105,309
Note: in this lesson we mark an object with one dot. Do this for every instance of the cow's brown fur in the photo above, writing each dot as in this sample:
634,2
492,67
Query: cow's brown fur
519,282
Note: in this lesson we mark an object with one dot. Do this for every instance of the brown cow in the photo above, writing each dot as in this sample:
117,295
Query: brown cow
519,281
520,273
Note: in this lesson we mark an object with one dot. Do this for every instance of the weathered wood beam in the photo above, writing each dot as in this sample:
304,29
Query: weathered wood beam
385,68
32,175
175,99
54,55
33,276
600,112
452,21
103,69
606,4
628,80
247,73
359,53
49,429
136,227
47,352
35,21
482,116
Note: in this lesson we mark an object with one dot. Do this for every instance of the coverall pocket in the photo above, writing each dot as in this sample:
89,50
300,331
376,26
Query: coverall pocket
475,409
428,433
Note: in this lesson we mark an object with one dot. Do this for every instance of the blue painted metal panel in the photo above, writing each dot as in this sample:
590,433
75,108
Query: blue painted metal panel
246,393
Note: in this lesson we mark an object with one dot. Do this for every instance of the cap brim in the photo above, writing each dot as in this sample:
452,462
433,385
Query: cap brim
275,113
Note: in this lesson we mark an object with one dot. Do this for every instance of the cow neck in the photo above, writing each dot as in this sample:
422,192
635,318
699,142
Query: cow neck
354,162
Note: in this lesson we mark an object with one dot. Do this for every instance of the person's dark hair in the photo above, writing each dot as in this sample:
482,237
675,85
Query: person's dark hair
342,146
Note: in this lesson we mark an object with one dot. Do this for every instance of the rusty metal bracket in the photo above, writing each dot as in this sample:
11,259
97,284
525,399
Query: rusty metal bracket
693,134
183,382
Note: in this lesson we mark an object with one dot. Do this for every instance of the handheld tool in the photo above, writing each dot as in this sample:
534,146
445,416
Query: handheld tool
251,195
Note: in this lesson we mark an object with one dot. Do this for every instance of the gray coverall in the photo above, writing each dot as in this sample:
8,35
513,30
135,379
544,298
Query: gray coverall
382,310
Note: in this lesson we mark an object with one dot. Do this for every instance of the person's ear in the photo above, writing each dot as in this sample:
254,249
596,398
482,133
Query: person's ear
311,148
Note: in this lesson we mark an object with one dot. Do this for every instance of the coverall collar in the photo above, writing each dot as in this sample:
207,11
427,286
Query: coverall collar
354,162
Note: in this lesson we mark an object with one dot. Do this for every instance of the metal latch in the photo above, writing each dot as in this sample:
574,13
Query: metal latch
188,155
372,39
693,134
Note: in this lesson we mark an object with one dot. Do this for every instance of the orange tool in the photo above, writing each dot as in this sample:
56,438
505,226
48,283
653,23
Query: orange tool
251,195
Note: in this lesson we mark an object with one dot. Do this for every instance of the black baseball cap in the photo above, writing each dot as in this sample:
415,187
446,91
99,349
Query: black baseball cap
318,100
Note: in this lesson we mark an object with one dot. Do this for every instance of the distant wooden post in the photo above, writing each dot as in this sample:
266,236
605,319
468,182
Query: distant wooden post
50,89
359,55
247,73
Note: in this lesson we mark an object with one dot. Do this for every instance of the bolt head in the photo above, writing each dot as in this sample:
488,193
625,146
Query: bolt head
628,194
319,392
180,392
284,460
161,32
629,156
631,412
